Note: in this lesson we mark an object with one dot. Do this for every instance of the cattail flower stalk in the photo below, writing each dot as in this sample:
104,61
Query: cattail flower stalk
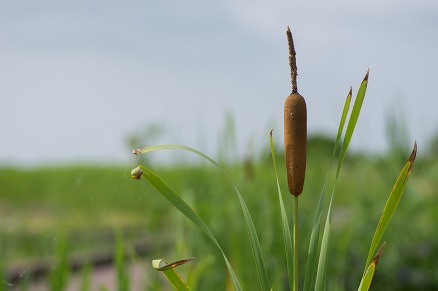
295,143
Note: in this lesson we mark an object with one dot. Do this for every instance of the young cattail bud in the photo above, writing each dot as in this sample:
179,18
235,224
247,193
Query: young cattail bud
295,129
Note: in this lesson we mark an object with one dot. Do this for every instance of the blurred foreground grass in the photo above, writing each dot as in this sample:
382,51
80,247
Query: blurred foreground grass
89,204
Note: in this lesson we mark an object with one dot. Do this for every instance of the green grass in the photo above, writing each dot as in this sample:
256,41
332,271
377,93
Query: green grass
90,204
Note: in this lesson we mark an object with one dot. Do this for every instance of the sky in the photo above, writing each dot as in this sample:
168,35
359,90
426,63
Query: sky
79,77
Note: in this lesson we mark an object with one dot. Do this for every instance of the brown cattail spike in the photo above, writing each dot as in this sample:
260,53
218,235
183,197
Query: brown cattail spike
295,128
295,141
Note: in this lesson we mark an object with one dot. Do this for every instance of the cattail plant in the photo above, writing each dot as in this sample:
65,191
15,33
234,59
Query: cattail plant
295,143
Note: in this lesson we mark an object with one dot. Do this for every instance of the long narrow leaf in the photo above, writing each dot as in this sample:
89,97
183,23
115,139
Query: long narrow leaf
286,230
312,257
391,203
353,120
322,263
254,241
186,210
365,283
354,116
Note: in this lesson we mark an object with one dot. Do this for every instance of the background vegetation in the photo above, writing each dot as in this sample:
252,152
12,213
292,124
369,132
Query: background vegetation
65,211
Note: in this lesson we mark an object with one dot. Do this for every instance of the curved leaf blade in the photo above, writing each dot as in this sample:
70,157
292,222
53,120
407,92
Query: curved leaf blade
313,254
286,230
254,241
391,204
186,210
354,116
171,274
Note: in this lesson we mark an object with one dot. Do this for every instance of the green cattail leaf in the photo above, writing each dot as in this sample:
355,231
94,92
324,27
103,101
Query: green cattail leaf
286,230
323,253
365,283
367,278
186,210
391,204
313,252
322,263
171,274
254,241
343,117
353,120
122,275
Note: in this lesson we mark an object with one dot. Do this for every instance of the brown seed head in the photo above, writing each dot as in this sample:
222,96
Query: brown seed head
295,141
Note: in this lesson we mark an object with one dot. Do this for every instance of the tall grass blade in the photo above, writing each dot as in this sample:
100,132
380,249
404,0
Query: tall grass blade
3,282
171,274
312,257
322,262
365,283
122,276
391,204
254,241
354,116
85,278
353,120
286,230
60,273
186,210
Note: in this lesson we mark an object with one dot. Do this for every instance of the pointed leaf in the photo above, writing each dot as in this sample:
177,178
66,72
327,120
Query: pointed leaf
353,120
322,263
254,241
286,230
313,254
391,203
185,209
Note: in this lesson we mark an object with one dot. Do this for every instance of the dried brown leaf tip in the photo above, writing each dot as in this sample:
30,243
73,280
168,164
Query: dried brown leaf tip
366,75
136,152
175,264
376,258
412,157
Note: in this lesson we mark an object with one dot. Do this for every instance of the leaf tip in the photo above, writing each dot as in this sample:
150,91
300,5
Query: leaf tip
412,157
161,265
270,133
413,153
378,254
366,76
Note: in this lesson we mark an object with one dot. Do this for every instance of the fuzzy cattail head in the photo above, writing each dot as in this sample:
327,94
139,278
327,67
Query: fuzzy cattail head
295,141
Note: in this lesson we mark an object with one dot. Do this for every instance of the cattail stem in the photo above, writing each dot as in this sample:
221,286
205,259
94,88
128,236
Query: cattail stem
295,245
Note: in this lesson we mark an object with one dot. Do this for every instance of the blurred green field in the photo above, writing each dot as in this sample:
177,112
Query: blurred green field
87,205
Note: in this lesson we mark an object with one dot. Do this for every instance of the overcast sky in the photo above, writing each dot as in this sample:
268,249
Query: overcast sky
76,77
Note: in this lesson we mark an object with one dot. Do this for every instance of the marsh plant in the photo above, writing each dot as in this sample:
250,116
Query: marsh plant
295,142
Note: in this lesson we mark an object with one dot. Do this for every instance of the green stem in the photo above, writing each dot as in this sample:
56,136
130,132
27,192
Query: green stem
295,243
